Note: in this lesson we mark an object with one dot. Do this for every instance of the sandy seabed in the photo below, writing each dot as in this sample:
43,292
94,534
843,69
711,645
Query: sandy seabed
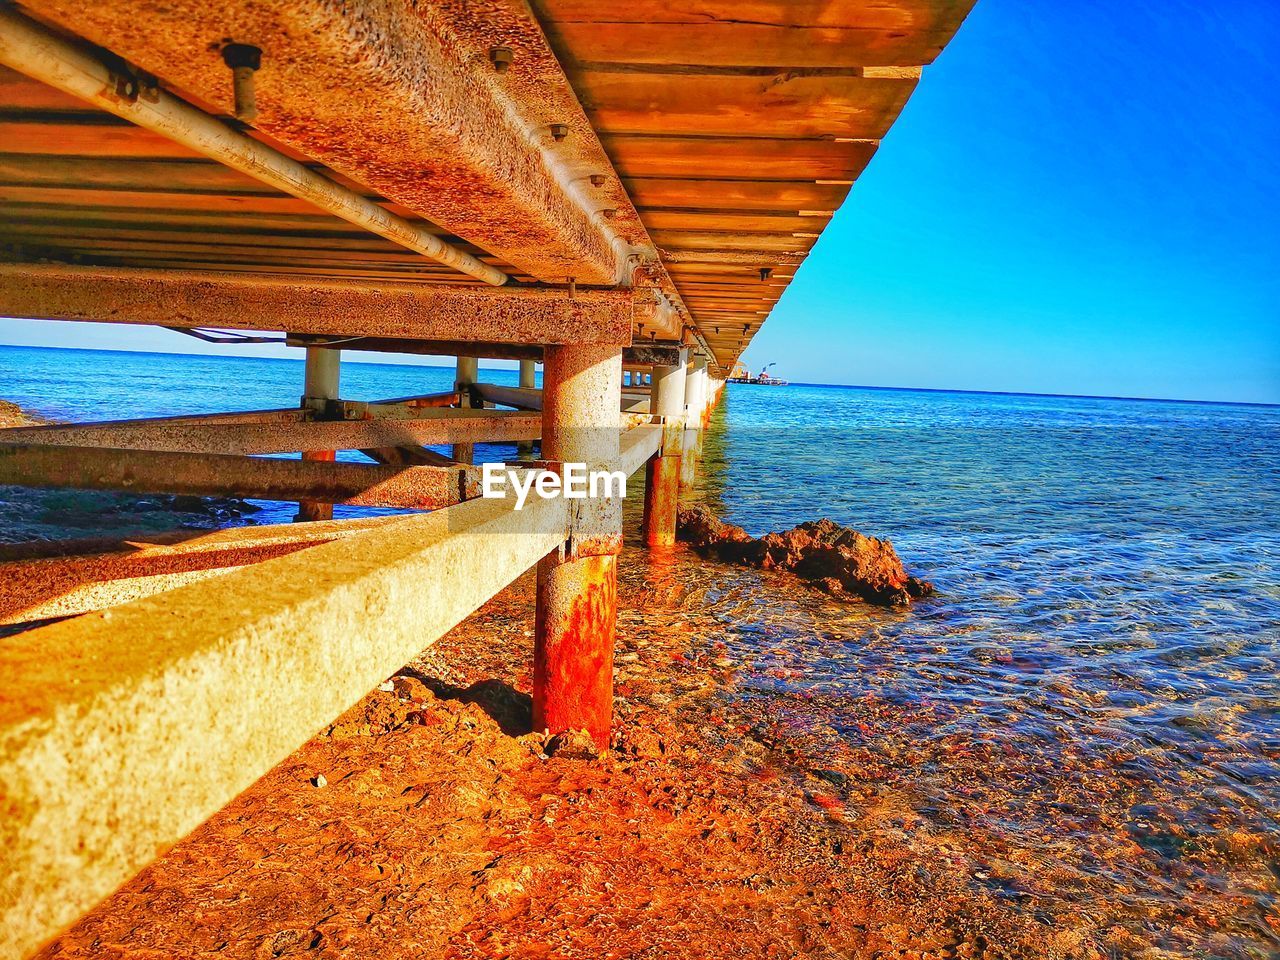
429,822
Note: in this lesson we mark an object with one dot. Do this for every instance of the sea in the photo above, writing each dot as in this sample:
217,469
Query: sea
1091,703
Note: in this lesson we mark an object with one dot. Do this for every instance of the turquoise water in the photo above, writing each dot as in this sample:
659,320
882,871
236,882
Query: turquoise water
1088,714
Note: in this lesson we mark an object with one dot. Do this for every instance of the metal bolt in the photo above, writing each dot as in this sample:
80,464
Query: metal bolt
559,131
609,214
501,58
765,273
597,179
244,60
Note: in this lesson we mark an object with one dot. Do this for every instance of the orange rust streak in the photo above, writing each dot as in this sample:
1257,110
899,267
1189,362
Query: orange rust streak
314,509
573,647
661,498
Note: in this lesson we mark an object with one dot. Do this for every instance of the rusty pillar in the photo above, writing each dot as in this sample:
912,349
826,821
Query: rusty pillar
528,381
320,384
662,473
578,586
468,373
695,403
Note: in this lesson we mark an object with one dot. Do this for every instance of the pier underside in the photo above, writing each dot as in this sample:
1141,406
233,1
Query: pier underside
621,195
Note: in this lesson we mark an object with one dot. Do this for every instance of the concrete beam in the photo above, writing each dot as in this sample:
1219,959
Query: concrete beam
178,716
197,474
402,98
44,580
653,354
180,298
426,426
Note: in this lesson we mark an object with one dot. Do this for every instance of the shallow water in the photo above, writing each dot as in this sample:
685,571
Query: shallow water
1093,700
1087,717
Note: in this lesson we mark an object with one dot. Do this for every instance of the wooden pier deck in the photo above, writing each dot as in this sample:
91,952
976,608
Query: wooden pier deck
615,192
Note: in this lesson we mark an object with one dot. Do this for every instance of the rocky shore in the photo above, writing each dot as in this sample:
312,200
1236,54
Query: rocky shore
431,821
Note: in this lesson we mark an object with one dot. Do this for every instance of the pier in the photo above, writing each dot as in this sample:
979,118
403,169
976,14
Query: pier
618,195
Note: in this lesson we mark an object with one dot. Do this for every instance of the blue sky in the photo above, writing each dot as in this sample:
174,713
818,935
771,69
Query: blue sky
1082,197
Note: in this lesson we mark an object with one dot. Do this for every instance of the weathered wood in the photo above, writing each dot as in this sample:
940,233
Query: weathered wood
784,104
749,33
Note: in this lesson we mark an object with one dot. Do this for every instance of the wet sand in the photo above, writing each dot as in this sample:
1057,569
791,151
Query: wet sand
428,821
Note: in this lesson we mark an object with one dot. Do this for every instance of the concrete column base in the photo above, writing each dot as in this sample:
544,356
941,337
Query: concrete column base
661,500
573,656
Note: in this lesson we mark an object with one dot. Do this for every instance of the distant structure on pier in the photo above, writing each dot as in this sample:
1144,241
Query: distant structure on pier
741,374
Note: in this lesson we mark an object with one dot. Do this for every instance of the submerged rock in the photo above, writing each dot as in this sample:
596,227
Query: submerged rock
838,559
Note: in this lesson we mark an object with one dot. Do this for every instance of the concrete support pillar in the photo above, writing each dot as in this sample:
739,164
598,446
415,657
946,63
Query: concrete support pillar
695,402
320,383
578,587
528,381
468,373
662,472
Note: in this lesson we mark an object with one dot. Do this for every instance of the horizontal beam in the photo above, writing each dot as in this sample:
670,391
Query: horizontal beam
184,298
91,575
640,354
637,445
527,398
219,681
425,426
650,354
522,398
428,348
200,474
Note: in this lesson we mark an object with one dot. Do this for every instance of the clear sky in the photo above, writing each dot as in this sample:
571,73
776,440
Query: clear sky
1083,196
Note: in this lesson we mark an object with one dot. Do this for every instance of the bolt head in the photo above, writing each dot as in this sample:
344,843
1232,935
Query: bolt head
501,58
559,131
242,55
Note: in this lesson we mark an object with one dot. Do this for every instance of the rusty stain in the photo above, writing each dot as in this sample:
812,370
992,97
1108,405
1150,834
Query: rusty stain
573,653
661,499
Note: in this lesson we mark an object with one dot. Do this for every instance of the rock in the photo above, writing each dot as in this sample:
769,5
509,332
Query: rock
410,688
838,559
573,745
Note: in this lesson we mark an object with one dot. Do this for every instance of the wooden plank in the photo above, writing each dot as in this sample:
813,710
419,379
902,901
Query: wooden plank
780,105
725,240
756,221
666,155
776,195
222,248
755,32
128,174
86,139
161,218
234,233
